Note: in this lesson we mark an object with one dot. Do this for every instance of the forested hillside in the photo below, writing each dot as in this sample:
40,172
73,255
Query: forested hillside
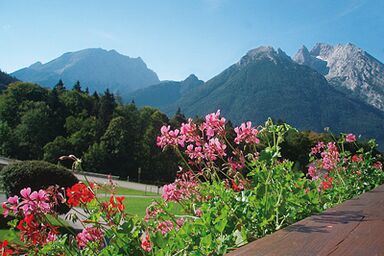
5,79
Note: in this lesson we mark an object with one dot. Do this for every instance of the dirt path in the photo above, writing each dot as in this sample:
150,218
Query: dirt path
124,184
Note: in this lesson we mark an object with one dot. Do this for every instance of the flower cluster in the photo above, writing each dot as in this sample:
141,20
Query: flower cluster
312,172
31,230
165,226
326,183
378,165
113,206
30,203
79,194
146,242
152,211
30,207
350,138
245,132
88,235
206,143
214,124
330,156
179,190
322,167
170,137
4,250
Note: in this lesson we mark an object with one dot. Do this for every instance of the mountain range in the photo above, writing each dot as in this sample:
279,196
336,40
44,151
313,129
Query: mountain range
95,68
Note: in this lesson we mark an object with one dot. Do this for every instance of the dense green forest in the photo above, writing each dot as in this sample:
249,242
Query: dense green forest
110,137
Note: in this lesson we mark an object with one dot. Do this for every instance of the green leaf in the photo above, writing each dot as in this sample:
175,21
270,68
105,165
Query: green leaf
220,225
206,241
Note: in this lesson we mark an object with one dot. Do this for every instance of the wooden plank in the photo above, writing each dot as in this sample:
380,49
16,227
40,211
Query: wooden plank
352,228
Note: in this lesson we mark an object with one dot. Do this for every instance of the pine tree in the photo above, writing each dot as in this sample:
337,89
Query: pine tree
178,119
107,107
59,86
77,86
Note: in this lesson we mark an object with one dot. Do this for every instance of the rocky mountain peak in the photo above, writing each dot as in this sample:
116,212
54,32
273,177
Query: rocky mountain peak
191,78
264,53
36,65
321,49
190,83
348,68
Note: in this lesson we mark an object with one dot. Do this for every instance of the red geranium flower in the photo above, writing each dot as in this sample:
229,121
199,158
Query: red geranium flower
79,194
117,202
357,159
326,183
4,251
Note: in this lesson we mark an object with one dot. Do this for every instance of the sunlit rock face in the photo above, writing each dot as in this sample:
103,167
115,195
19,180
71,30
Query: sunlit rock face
347,68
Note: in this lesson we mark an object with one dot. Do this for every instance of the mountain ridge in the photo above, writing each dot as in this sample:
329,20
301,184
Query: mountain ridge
162,94
95,68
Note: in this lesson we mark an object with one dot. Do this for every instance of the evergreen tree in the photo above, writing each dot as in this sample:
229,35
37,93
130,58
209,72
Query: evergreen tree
95,104
107,107
59,86
178,119
77,86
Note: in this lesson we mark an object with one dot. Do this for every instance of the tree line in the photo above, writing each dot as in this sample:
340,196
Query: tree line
110,137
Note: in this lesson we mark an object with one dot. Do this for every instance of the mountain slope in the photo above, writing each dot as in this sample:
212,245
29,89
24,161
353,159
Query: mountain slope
267,83
5,80
97,69
165,93
349,69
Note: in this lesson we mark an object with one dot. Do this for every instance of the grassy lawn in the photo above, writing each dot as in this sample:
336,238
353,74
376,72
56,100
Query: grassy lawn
128,191
137,206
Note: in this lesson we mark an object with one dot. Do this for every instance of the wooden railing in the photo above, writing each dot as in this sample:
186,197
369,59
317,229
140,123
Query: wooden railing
355,227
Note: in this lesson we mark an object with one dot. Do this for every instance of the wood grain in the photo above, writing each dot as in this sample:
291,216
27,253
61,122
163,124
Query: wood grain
355,227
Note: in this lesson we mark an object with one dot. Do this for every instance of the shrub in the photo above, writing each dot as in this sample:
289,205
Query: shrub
36,175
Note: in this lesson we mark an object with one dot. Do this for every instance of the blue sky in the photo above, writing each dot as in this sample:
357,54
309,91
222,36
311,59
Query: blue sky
179,37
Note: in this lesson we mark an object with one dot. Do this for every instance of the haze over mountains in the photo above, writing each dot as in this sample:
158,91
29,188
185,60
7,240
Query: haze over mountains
341,87
165,93
95,68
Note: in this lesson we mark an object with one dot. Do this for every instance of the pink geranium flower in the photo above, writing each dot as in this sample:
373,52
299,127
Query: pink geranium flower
170,137
312,172
213,124
165,226
146,244
171,193
213,149
89,234
350,138
245,132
